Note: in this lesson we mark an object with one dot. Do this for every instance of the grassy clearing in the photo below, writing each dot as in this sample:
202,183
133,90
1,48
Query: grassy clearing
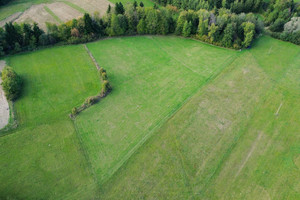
53,14
226,142
185,120
43,157
150,81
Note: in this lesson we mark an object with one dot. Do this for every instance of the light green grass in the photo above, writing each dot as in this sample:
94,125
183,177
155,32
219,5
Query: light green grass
151,78
226,142
185,120
53,14
42,158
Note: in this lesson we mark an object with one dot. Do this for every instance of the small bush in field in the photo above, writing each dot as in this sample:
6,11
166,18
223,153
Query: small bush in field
12,83
104,76
74,111
102,70
90,101
105,87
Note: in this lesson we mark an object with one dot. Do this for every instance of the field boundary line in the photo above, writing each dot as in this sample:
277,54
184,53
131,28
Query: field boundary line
184,65
160,123
92,57
86,155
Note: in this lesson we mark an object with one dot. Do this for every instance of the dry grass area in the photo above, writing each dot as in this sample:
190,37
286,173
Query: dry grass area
63,11
58,12
38,14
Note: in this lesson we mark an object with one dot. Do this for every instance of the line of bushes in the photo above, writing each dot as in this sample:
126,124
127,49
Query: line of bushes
215,26
106,88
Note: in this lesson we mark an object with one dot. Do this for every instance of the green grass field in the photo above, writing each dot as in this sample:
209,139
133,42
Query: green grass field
151,81
185,120
227,142
42,158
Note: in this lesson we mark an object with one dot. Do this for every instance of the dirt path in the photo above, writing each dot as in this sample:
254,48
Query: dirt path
4,107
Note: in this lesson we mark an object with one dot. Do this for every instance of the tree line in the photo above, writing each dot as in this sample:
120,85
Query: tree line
236,6
220,27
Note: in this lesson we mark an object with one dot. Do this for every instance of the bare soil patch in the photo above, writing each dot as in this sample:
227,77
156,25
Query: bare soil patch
10,18
93,5
38,14
63,11
4,107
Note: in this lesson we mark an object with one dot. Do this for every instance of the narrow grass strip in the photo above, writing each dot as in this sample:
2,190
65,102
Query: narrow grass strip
53,15
75,6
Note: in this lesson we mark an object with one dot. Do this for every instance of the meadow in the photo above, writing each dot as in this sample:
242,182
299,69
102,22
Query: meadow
236,138
42,158
185,120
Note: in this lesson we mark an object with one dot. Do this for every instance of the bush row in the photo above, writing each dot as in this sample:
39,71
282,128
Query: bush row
106,88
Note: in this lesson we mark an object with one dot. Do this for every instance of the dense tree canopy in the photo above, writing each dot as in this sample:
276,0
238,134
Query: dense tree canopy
222,28
11,83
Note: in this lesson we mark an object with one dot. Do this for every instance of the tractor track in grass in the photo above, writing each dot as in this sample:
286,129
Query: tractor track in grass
242,132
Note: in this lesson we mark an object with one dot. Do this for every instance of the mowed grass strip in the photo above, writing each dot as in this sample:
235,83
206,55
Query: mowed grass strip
75,7
227,142
53,14
149,85
43,158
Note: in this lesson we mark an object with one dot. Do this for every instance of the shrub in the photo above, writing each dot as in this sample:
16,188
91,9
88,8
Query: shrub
101,70
105,87
277,26
90,100
74,111
104,76
12,83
